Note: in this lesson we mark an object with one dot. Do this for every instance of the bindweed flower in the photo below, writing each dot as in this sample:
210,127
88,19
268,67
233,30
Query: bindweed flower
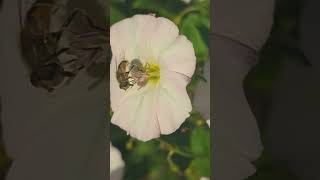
150,68
116,164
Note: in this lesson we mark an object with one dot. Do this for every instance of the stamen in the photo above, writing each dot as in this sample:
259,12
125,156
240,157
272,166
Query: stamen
153,71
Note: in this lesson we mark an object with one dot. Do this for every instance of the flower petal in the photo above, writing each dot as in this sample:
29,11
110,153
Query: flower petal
142,36
174,104
201,96
153,35
179,57
122,39
137,114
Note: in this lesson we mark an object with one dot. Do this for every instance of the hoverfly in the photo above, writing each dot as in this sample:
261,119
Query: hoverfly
139,73
122,74
42,50
129,74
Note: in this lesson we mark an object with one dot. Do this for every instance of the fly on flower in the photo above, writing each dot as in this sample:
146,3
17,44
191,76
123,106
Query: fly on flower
139,73
150,68
123,75
129,74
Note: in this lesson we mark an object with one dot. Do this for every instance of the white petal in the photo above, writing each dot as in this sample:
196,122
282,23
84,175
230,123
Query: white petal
116,164
137,114
153,35
152,110
174,104
179,57
122,39
142,36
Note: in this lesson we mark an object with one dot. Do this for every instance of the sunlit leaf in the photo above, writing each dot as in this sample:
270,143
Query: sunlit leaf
199,167
200,141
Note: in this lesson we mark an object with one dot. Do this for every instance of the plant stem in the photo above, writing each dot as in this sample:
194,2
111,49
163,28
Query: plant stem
185,11
175,149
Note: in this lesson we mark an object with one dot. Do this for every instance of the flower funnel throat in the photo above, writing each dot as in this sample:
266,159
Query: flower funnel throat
153,72
134,73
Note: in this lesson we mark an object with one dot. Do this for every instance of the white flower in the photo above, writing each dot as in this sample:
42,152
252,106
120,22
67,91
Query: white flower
163,104
116,164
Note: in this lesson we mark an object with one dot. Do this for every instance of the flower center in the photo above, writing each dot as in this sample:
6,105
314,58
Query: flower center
153,71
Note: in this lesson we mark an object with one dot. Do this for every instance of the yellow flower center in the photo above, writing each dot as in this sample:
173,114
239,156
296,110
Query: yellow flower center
153,71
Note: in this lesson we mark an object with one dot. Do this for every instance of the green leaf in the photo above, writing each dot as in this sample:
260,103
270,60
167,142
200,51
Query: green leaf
199,167
115,15
204,7
200,142
202,78
195,28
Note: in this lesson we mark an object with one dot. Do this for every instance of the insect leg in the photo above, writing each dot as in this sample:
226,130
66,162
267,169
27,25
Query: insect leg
131,80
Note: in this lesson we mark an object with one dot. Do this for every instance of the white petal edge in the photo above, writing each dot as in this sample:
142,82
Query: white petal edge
153,35
122,40
174,104
208,122
137,114
179,57
142,36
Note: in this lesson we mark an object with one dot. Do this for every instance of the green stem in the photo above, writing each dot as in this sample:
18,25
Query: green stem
185,11
175,149
175,168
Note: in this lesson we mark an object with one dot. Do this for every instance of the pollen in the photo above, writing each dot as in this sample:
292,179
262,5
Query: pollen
154,73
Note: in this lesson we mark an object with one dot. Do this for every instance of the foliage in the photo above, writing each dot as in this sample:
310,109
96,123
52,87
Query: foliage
184,154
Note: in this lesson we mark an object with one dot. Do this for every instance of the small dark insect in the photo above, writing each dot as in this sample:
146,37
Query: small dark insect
122,74
129,74
139,72
41,46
